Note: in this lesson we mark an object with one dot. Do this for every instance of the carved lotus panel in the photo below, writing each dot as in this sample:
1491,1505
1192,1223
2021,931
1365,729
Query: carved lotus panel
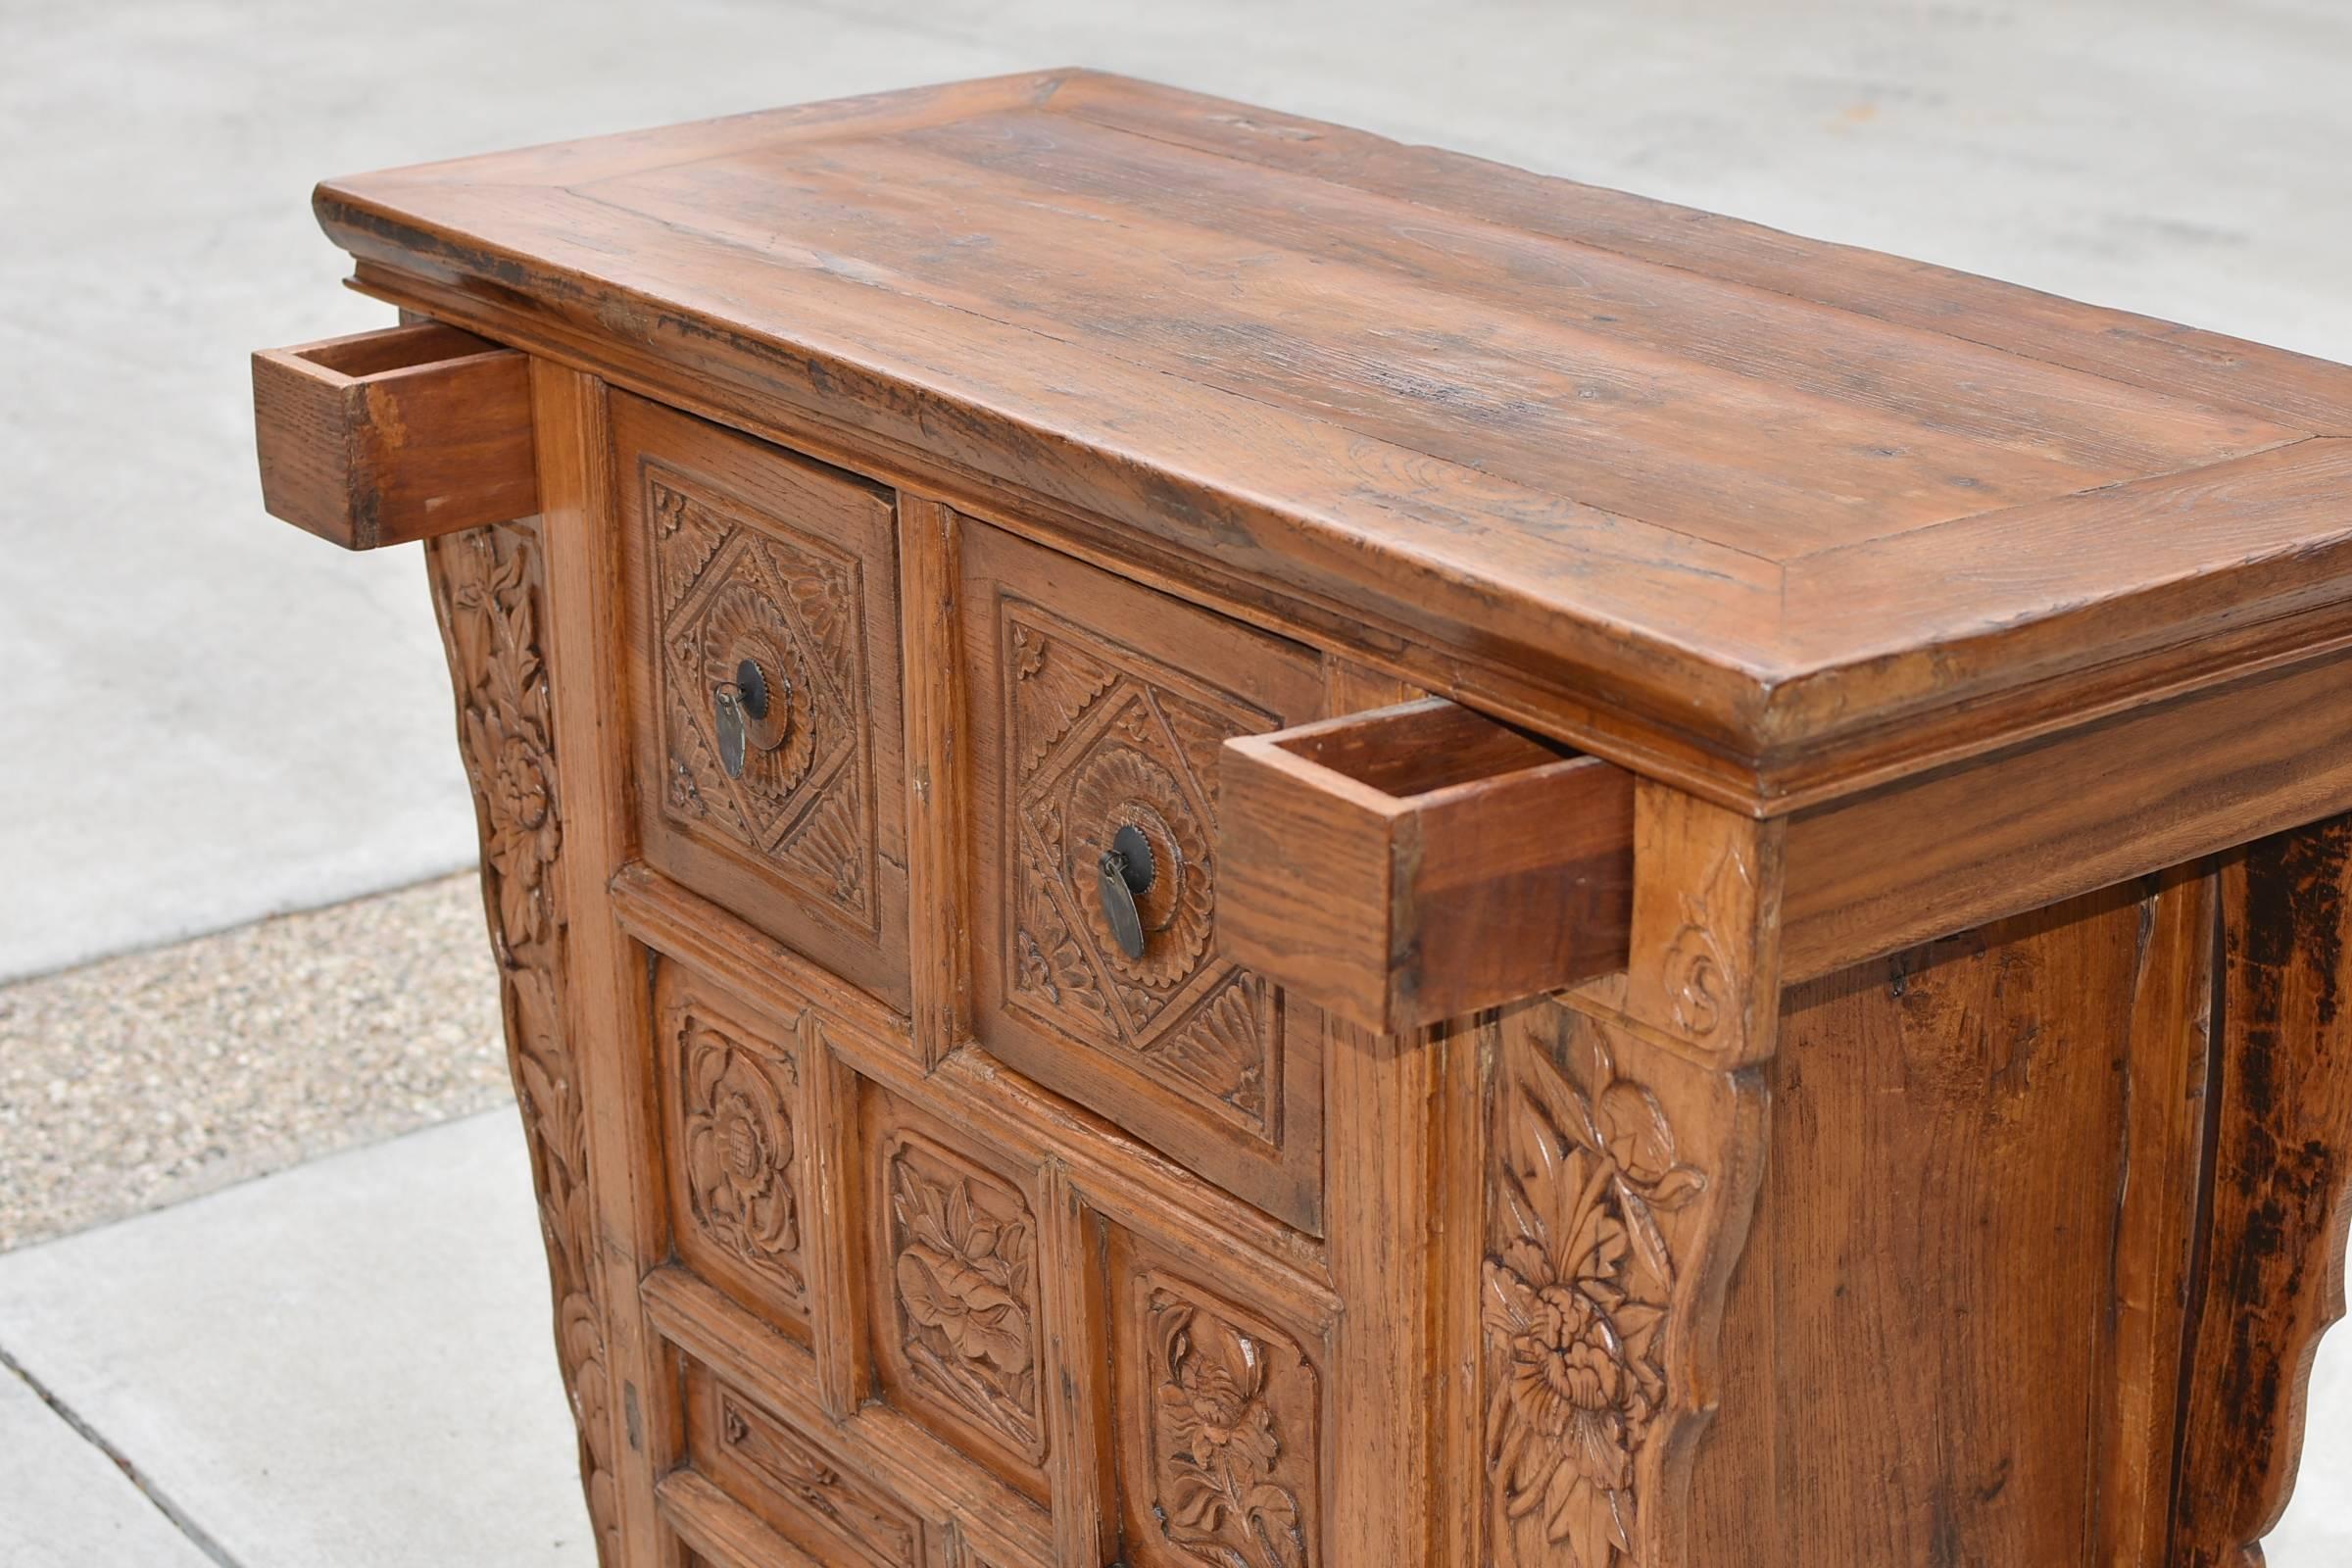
1104,739
1224,1422
793,604
738,1148
960,1248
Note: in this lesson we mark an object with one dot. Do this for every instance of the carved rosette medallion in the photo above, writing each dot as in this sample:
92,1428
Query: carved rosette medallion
962,1269
1228,1438
1702,991
738,1148
486,586
1586,1217
1100,740
793,604
875,1529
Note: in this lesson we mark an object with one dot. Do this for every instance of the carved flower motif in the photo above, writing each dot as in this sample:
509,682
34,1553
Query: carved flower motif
738,1149
1574,1304
963,1279
1217,1447
502,732
519,803
1212,1416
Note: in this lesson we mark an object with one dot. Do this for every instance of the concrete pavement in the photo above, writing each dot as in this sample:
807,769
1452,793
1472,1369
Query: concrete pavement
346,1364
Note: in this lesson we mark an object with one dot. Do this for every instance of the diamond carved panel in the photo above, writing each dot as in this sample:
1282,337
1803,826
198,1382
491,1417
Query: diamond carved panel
1099,739
793,604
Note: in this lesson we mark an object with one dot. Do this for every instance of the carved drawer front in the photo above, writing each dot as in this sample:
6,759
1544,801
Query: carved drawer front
1097,709
766,637
740,1147
800,1487
1218,1425
952,1235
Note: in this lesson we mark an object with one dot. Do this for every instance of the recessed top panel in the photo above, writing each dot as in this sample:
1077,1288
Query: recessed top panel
1763,493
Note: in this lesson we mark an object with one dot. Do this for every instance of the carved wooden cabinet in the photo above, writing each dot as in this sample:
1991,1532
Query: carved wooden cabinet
1214,843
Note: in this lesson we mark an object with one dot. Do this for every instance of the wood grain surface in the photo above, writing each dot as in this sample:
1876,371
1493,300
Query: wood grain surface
1736,944
1761,493
385,437
2272,1276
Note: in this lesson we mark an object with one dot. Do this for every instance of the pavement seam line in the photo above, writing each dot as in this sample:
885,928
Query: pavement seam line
178,1517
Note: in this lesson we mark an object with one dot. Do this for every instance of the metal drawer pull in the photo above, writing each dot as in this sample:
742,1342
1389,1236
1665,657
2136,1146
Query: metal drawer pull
738,707
1124,874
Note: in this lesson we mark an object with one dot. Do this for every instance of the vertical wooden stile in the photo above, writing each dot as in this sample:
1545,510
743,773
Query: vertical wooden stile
605,1000
938,810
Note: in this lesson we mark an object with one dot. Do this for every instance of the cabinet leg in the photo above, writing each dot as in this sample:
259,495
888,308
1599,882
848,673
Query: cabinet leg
2271,1274
487,587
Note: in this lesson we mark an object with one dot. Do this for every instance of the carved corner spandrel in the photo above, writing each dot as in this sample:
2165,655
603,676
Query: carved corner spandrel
1702,970
1626,1137
488,593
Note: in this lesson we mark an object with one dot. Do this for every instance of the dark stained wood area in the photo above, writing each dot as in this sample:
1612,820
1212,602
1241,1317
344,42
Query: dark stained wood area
2272,1279
1767,495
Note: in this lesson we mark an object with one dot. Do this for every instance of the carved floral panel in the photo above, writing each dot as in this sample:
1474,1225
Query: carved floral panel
1587,1205
738,1154
961,1253
794,605
1101,739
486,585
861,1519
1220,1431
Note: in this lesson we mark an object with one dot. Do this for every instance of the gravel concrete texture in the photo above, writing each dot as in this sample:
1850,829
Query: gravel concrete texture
210,717
65,1504
150,1078
348,1363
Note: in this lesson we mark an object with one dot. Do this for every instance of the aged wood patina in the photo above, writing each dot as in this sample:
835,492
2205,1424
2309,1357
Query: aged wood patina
1217,843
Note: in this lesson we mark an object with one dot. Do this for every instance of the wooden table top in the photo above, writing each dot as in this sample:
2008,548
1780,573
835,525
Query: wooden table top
1822,512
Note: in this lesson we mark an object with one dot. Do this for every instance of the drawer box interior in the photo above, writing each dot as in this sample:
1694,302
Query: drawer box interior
1418,863
405,433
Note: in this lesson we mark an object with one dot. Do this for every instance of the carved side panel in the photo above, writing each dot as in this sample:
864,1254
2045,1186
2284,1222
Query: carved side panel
487,586
1219,1430
2281,1189
1098,738
1626,1142
957,1315
739,1157
825,1507
731,590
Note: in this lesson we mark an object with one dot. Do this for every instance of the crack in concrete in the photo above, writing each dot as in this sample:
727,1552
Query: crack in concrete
178,1517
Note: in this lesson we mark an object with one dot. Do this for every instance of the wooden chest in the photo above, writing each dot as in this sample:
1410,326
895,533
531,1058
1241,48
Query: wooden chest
1217,843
